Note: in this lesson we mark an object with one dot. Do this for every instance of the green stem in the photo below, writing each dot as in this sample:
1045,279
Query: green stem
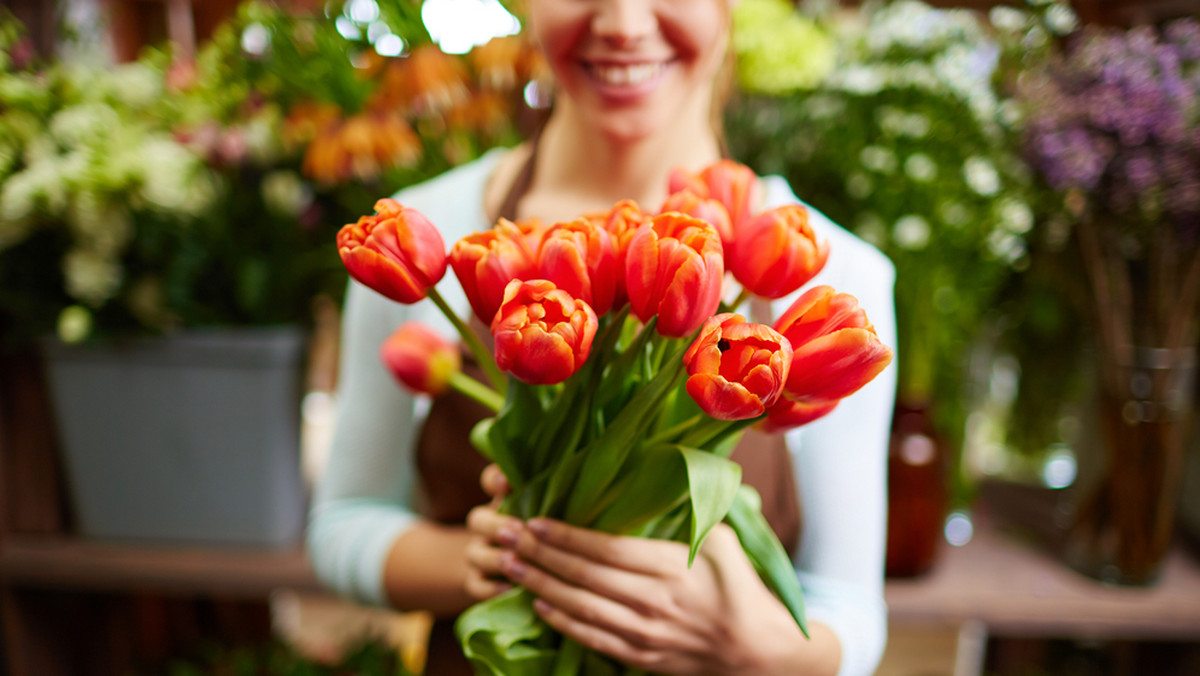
665,436
476,390
482,355
570,658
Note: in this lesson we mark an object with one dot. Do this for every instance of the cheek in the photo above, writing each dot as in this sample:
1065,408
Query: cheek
557,27
699,30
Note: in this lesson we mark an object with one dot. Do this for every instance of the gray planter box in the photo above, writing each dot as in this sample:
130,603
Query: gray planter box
192,438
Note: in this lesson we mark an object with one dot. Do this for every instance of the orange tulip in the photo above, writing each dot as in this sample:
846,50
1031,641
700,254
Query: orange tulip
776,252
485,262
733,185
835,350
621,221
396,252
420,358
579,258
736,370
687,202
542,334
673,269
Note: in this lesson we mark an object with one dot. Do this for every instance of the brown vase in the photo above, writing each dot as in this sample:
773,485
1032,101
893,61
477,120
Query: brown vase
916,492
1124,521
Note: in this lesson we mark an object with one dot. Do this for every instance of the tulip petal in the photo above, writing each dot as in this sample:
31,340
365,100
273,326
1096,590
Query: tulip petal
836,365
723,400
788,414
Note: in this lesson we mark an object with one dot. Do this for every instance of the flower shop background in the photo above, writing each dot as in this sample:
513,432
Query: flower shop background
198,183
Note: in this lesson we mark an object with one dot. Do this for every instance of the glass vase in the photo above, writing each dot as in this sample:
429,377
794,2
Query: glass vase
1124,520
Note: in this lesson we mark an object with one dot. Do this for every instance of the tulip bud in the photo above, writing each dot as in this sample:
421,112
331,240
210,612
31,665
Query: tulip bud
578,257
674,270
776,252
731,184
835,350
421,359
543,335
396,252
736,369
485,262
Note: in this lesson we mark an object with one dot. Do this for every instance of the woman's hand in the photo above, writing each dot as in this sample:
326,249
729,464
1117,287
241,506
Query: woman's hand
636,600
485,577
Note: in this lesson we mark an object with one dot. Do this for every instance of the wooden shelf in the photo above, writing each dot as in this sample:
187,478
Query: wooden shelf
64,562
1016,590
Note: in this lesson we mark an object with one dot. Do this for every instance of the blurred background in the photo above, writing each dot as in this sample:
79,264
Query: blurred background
173,172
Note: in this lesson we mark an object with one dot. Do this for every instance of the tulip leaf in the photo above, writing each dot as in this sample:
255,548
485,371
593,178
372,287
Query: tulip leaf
712,483
503,636
509,432
480,440
769,557
654,484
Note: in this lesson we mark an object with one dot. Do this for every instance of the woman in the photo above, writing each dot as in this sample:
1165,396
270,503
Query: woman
636,84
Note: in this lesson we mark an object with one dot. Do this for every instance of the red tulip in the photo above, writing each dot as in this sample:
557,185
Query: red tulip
788,413
736,369
776,252
420,358
528,232
543,335
485,262
835,350
687,202
396,252
579,258
673,269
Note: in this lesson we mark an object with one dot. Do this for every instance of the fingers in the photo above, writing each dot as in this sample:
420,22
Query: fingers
488,523
598,638
493,481
485,577
638,555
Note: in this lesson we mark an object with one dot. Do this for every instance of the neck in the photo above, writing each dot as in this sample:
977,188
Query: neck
579,171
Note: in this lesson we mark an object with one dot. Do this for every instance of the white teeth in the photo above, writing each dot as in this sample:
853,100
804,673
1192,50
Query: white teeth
626,75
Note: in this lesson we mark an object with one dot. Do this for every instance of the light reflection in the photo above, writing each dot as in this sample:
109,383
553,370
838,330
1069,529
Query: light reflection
1060,468
391,45
537,95
362,11
347,28
458,25
255,39
959,530
376,30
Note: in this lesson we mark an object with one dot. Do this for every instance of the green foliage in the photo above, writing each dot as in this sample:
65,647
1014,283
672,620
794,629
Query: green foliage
372,657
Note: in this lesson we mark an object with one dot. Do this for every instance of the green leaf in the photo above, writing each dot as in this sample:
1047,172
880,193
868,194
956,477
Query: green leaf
712,483
503,636
655,482
763,548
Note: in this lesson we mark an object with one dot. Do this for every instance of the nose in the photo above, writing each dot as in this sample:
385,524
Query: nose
622,22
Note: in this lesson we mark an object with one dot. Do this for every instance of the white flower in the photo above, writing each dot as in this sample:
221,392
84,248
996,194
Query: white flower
863,80
89,277
859,185
1014,215
871,228
136,84
1061,19
1006,19
981,176
911,232
81,124
920,167
1005,246
285,193
954,213
878,158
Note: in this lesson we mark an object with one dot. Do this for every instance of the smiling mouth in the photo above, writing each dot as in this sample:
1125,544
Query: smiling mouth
625,75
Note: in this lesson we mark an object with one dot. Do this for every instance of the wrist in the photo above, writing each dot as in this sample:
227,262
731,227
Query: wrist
774,646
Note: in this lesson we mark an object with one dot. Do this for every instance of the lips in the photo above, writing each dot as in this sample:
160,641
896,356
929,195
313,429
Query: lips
624,75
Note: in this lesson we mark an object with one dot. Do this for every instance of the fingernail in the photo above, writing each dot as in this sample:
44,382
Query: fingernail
507,536
538,527
514,568
542,607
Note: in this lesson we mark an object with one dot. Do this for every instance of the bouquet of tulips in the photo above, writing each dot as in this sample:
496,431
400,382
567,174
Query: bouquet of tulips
630,377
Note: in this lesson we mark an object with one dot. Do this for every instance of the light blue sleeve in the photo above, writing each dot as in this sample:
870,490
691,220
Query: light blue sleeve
840,463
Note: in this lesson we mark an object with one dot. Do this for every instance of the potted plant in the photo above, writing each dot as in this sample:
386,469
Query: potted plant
172,218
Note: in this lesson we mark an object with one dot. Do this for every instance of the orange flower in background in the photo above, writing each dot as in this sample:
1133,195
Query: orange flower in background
542,334
426,82
361,147
732,184
835,348
687,202
736,369
307,119
776,252
485,262
397,252
674,269
420,358
579,258
496,62
488,112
